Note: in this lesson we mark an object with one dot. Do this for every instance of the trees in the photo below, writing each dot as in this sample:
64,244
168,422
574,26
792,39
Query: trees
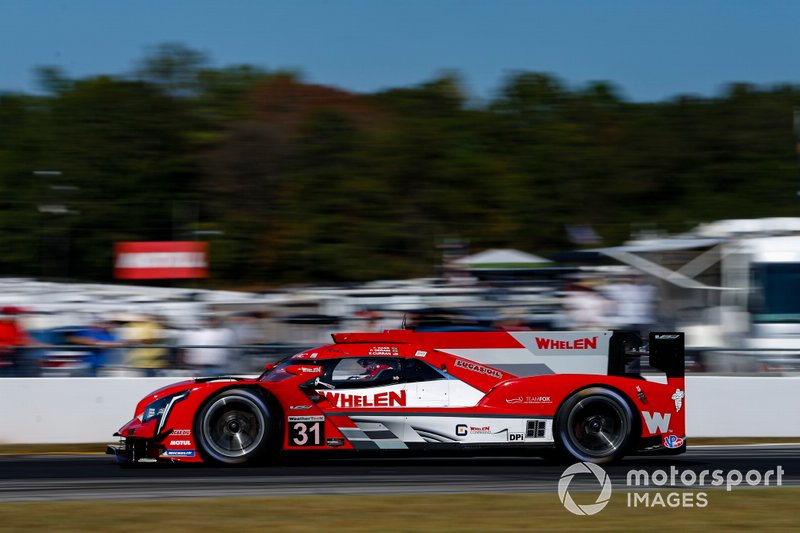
304,182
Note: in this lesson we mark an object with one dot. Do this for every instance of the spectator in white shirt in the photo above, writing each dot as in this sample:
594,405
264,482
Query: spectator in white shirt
208,349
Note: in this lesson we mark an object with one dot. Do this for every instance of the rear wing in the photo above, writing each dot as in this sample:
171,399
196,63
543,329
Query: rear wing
664,351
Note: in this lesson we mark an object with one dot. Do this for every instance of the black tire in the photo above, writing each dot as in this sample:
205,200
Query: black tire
235,427
594,425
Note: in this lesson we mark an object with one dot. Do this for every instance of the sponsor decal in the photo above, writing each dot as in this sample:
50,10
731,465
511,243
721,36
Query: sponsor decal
528,400
383,350
306,430
420,353
299,407
180,443
515,436
335,442
311,418
640,395
656,422
667,337
480,369
313,355
543,343
463,430
673,441
178,453
678,397
181,432
380,399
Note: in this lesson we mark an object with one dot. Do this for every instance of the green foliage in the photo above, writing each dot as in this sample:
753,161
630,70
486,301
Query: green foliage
298,182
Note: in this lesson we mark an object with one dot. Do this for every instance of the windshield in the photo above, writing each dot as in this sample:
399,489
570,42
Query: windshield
775,296
279,373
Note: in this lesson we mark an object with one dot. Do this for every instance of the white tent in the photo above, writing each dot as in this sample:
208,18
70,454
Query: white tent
501,259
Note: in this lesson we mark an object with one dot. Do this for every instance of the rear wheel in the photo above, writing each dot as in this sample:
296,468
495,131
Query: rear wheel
235,427
594,425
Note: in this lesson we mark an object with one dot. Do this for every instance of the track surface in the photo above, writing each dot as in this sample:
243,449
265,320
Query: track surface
73,477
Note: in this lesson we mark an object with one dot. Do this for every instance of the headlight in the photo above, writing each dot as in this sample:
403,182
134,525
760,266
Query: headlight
160,408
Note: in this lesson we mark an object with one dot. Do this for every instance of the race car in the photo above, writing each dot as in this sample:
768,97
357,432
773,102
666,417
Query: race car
579,395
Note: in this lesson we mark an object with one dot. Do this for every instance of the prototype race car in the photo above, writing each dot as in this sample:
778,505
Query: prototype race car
578,393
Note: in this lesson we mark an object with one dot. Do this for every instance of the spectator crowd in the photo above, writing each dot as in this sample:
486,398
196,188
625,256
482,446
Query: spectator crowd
126,344
149,345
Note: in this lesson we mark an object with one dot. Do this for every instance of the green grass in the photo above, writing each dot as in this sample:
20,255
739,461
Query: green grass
52,448
743,510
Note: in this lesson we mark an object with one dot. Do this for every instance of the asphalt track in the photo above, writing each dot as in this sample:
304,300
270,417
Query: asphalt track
94,476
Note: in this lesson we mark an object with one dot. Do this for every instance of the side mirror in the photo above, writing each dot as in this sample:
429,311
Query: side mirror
270,366
304,370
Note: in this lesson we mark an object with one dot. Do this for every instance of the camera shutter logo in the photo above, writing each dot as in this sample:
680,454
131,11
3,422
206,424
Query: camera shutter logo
602,498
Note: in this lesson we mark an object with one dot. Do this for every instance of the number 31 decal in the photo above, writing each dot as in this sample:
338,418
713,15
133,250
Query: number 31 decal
306,430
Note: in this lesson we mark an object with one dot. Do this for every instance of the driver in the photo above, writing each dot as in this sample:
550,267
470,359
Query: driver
372,367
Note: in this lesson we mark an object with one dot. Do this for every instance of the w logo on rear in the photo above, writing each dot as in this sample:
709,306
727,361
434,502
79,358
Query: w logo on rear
656,422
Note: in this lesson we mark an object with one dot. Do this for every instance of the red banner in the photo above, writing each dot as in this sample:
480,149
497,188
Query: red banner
160,260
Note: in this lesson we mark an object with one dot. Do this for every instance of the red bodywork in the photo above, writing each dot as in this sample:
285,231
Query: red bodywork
499,402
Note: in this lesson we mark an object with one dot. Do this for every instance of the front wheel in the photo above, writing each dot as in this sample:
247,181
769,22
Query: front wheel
235,427
594,425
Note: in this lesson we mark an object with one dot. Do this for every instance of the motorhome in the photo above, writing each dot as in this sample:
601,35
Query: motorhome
732,285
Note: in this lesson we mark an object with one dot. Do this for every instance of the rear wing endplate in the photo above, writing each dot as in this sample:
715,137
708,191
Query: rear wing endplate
664,352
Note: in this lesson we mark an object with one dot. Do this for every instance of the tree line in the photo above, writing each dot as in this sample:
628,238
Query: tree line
295,182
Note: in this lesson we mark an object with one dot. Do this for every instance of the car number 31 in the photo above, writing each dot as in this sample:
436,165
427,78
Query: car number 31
306,433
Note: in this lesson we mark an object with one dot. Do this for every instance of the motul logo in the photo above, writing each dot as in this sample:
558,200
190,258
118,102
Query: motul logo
381,399
575,344
656,422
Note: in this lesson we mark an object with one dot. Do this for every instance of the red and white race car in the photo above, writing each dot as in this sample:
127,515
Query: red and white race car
579,393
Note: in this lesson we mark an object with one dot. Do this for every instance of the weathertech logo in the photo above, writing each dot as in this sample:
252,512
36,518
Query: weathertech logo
479,369
574,344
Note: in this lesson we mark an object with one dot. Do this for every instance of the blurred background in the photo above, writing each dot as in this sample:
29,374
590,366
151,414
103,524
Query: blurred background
158,203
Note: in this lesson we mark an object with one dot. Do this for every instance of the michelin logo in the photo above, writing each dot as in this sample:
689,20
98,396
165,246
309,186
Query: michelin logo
178,453
678,398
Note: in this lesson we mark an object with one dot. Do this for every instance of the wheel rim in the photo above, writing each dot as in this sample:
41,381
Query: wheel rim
233,426
597,426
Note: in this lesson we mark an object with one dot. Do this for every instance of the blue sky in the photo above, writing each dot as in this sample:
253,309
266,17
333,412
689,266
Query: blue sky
649,50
